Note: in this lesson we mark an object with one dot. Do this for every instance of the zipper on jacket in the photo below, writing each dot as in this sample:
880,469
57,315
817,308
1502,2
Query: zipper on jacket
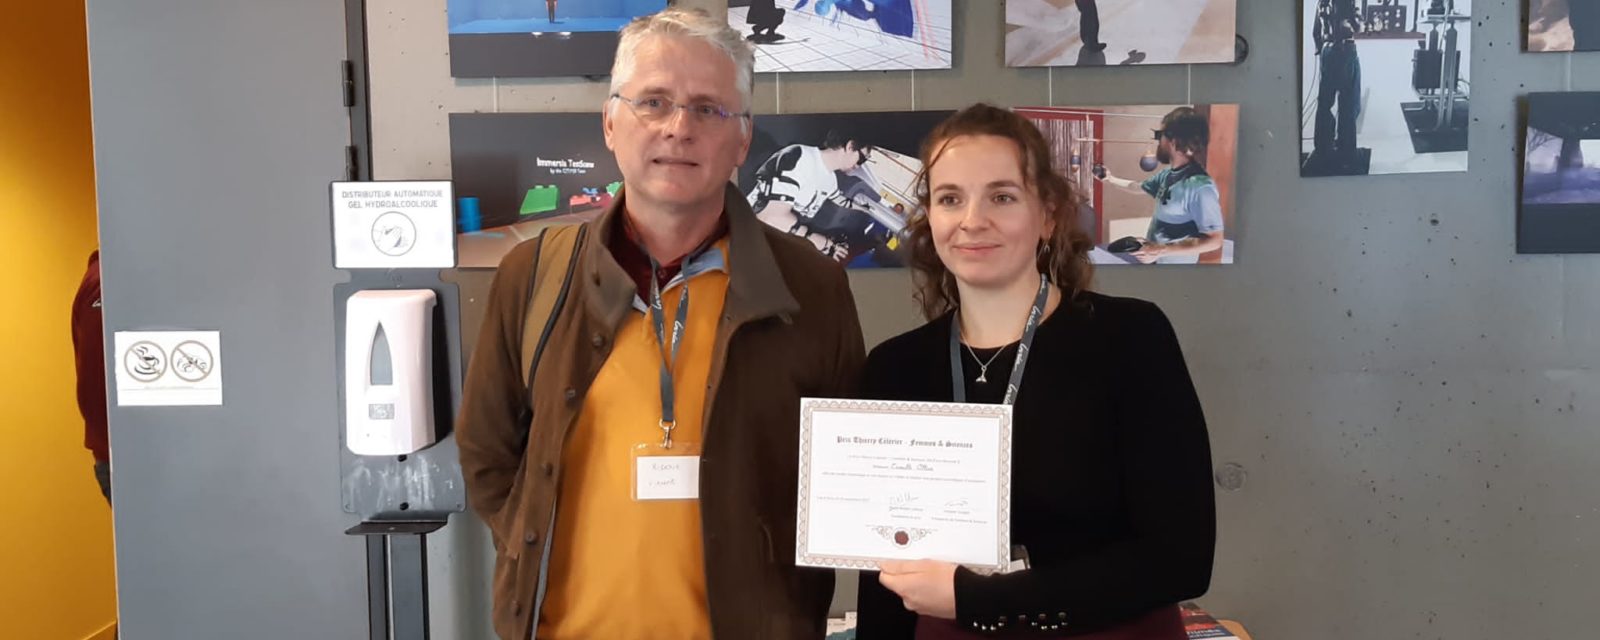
766,532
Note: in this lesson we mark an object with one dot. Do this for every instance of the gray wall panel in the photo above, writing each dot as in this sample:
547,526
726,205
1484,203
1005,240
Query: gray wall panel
218,127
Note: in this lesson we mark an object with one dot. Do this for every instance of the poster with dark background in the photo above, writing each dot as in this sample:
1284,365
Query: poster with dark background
534,38
1561,175
527,171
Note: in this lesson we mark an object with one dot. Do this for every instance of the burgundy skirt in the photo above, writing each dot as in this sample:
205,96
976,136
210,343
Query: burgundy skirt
1162,624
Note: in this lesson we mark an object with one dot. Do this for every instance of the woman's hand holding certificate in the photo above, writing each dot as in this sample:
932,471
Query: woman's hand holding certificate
903,481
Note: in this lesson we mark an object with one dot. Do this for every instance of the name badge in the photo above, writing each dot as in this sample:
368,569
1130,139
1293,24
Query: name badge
666,478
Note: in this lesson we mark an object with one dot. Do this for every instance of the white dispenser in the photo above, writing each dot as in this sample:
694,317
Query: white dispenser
388,411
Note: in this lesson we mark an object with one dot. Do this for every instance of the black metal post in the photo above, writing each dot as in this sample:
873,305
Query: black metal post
397,576
378,587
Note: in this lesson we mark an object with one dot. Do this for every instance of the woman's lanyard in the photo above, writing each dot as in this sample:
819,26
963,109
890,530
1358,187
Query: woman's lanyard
958,377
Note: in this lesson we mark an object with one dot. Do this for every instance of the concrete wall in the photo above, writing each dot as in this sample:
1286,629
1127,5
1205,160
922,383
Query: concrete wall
1413,406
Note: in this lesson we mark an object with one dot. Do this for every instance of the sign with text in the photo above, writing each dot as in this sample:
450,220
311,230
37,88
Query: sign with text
393,225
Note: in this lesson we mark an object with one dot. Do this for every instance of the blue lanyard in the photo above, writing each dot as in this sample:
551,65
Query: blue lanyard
670,349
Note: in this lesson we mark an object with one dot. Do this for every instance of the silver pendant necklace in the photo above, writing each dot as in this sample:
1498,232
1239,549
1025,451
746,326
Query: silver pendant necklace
983,367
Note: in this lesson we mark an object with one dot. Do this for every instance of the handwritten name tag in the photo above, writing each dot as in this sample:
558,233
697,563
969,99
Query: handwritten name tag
667,477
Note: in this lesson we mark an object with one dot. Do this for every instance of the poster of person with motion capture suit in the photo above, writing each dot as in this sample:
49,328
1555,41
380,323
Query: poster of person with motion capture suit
845,35
844,181
1384,87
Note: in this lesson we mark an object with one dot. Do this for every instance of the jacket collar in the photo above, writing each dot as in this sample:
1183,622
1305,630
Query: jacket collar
756,287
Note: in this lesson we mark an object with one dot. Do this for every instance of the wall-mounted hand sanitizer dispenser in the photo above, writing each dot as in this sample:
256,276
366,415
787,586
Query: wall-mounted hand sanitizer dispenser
388,371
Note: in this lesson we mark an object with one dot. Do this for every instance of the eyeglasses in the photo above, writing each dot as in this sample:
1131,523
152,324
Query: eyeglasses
660,108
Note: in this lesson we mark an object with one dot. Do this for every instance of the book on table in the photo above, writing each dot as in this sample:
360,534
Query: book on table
1201,626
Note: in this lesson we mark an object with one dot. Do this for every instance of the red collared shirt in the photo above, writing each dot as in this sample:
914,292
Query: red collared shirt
627,248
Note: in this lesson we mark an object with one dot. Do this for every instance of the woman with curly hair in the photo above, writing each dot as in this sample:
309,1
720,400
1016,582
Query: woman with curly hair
1111,482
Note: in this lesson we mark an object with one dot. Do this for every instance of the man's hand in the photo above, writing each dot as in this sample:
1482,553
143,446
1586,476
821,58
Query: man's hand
841,250
924,586
1150,252
834,250
1105,176
837,251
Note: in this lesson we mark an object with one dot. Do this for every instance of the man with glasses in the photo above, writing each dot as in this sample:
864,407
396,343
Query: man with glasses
639,476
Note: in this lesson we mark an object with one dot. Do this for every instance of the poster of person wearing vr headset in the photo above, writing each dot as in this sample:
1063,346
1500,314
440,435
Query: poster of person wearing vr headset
1156,183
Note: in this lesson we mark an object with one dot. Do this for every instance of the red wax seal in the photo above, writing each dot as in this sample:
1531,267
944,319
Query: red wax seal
901,538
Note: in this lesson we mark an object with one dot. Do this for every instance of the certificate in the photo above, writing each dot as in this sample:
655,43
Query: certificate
903,481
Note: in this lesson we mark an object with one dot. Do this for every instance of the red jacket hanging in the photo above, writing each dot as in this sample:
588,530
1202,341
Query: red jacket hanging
89,348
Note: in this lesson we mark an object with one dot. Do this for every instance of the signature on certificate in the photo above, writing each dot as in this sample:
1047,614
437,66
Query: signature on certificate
902,499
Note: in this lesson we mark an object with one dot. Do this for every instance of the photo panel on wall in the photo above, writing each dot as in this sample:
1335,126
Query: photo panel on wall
1561,175
845,35
1384,88
1563,25
517,173
1053,33
844,181
538,38
1157,183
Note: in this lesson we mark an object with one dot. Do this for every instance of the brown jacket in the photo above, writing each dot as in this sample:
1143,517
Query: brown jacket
788,329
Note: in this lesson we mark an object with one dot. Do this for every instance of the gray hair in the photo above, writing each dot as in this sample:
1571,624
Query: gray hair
694,24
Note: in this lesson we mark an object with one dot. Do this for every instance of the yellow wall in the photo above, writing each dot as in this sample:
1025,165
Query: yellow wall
56,571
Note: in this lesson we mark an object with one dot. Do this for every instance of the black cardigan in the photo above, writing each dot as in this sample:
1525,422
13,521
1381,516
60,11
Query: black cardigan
1111,491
